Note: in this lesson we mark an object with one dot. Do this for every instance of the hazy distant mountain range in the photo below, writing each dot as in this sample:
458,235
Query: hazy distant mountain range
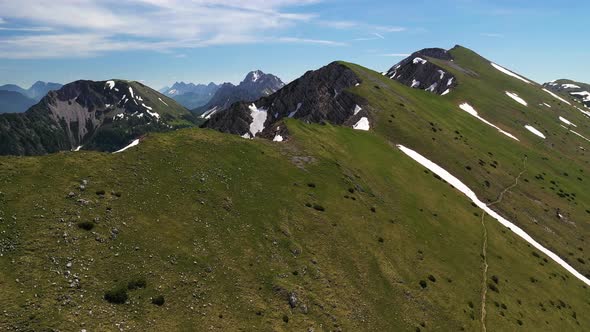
19,99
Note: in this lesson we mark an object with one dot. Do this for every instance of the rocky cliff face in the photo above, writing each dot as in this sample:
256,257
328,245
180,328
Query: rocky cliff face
316,97
418,72
93,115
578,91
255,85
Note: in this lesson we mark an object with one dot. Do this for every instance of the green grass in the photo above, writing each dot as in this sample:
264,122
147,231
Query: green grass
218,225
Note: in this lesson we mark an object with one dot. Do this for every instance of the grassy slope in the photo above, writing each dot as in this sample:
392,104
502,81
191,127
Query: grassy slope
535,201
219,226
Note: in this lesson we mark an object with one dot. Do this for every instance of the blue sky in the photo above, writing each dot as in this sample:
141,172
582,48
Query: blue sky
163,41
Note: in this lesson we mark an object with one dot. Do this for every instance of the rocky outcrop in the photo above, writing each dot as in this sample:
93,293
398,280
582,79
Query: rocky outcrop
318,96
578,91
102,116
254,86
417,71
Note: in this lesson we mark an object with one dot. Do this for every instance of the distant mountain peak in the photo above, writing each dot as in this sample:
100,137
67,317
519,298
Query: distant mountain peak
256,84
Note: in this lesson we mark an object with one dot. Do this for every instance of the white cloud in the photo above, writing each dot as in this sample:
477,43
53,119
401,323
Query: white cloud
71,28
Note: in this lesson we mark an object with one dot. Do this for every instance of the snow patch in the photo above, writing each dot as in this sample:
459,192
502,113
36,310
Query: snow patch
110,85
456,183
442,74
450,81
255,76
77,149
570,86
163,101
144,105
575,133
432,87
584,94
547,105
362,124
134,143
415,83
357,109
292,114
556,96
277,138
535,131
258,119
419,60
566,121
446,92
508,72
516,98
131,92
469,109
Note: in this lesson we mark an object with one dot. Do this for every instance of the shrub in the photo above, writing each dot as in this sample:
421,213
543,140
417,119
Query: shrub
373,209
100,192
381,240
311,185
423,283
136,283
86,225
285,318
158,300
116,296
495,279
494,288
431,278
319,207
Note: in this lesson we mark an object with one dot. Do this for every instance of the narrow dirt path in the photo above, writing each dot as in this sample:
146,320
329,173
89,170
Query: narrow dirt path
484,249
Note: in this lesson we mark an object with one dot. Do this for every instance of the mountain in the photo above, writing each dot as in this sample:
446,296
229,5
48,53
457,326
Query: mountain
14,102
256,84
462,212
316,97
417,72
40,89
190,95
580,92
102,116
35,92
13,88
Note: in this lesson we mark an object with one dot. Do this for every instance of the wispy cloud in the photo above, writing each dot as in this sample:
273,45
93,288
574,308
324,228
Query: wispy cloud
310,41
390,29
31,29
92,27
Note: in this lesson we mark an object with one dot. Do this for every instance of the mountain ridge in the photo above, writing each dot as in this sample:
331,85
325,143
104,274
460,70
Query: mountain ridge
256,84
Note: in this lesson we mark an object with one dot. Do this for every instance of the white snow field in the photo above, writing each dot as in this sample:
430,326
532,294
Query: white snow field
134,143
508,72
469,109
